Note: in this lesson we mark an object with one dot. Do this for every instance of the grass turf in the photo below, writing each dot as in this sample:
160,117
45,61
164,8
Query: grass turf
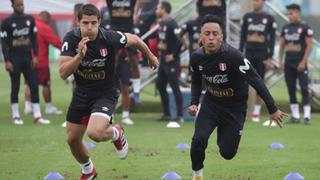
32,151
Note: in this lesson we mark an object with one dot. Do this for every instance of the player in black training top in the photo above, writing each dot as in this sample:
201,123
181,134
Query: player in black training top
89,53
169,69
227,75
257,39
122,16
19,39
296,42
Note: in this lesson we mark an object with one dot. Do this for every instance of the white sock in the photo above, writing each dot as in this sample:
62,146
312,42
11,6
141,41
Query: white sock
28,105
36,110
48,105
295,110
256,109
307,111
136,85
15,110
115,134
198,173
87,168
125,114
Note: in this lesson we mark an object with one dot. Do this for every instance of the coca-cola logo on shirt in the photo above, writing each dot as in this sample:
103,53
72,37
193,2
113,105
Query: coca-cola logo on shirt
217,79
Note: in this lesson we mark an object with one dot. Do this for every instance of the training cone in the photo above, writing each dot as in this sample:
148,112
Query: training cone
183,146
90,145
54,175
171,175
276,145
173,124
293,176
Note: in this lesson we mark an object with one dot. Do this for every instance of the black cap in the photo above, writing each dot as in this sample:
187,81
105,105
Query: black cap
293,7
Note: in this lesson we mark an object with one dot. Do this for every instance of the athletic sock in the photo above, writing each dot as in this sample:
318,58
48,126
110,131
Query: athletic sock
198,173
136,82
87,168
256,109
15,110
36,110
307,111
48,106
28,105
125,114
115,134
295,110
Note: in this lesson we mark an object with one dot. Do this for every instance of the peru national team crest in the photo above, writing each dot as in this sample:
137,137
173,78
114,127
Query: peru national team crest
264,20
222,66
104,52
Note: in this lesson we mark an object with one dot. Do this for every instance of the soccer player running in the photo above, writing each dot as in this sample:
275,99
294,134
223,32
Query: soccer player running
257,39
46,37
89,53
227,75
122,15
296,42
19,40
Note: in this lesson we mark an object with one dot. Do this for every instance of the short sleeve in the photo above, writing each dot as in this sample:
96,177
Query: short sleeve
69,46
308,31
116,39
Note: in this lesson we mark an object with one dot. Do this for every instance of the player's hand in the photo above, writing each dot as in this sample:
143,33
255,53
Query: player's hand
34,62
9,67
193,109
269,64
153,62
278,117
82,46
301,67
168,58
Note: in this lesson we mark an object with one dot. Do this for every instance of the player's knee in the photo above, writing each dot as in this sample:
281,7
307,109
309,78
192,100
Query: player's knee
228,155
199,142
94,135
73,140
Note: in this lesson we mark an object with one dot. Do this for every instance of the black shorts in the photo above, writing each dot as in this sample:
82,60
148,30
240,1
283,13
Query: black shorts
257,60
84,104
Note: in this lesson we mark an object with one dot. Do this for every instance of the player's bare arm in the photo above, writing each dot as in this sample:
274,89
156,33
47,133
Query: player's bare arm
302,65
69,64
134,40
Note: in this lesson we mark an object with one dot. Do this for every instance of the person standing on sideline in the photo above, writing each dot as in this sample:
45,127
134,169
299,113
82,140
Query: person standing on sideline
227,74
169,70
45,38
122,16
296,43
19,41
257,41
89,53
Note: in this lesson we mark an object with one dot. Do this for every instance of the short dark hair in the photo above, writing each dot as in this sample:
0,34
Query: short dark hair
166,6
89,10
77,6
293,6
211,19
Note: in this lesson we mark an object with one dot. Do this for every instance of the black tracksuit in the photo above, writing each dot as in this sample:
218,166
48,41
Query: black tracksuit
19,41
227,75
168,43
257,38
295,46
